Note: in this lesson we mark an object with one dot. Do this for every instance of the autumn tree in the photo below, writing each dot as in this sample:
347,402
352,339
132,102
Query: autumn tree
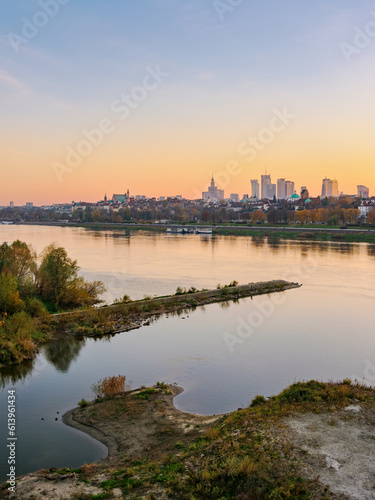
58,280
10,301
371,216
257,216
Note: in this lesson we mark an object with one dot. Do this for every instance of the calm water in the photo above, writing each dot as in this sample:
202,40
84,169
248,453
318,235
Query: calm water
223,355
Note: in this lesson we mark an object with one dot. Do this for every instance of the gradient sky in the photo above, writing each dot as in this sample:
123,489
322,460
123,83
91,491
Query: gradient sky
226,76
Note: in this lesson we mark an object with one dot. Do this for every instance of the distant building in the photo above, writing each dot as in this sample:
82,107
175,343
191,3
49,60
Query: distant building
363,192
334,188
121,198
213,193
265,183
271,191
281,193
330,188
11,204
255,188
304,193
325,188
234,197
366,206
289,189
29,204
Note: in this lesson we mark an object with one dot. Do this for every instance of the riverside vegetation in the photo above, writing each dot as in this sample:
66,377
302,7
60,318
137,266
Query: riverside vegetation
157,452
29,290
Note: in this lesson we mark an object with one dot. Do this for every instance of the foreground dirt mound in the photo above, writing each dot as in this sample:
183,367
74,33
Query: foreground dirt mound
340,449
314,440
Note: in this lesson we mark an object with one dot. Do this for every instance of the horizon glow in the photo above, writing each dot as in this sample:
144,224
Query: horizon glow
66,68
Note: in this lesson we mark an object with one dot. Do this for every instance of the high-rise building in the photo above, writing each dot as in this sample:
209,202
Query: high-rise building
234,197
213,193
330,188
255,188
289,189
334,188
265,182
271,191
281,193
363,191
325,188
11,204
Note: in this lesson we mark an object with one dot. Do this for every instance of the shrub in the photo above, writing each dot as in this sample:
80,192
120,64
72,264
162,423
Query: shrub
109,386
82,403
35,308
258,400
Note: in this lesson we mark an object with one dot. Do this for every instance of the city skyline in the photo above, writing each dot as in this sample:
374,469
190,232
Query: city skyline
282,189
260,84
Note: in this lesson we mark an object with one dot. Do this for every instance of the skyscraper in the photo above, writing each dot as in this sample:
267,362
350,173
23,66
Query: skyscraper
271,191
330,188
334,188
289,189
281,193
325,188
255,188
265,182
363,191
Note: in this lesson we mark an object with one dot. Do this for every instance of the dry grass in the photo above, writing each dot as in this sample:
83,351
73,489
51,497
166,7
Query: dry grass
109,386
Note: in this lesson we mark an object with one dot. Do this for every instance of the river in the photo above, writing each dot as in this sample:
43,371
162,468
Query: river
223,354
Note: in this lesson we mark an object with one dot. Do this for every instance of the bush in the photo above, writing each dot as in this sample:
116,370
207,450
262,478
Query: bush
82,403
109,386
258,400
35,308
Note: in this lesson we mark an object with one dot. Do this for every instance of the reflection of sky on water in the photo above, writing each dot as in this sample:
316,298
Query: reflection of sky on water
323,330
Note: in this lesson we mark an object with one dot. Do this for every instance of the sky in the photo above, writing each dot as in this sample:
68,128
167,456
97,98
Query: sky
156,95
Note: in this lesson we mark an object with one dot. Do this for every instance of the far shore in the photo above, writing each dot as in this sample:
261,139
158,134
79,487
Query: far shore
313,232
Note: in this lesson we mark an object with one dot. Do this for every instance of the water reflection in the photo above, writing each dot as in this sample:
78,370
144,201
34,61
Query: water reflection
61,353
258,241
10,375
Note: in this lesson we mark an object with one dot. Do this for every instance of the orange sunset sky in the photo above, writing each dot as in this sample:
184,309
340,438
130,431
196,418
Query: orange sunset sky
201,81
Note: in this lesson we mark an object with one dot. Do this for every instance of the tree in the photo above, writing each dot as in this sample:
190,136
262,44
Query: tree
56,272
19,259
58,281
371,216
10,301
257,216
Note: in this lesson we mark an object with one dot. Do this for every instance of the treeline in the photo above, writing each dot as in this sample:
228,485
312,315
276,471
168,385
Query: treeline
29,289
332,216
